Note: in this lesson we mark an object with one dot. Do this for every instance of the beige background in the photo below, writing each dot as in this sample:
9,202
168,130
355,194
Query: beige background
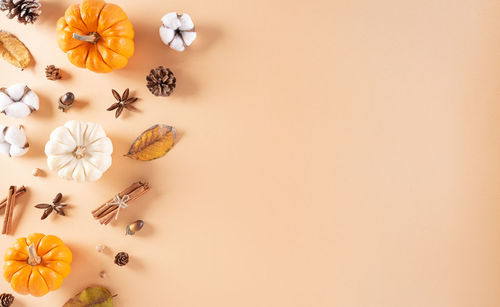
331,153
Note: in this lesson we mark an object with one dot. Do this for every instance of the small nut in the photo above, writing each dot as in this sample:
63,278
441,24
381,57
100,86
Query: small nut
100,248
66,101
36,172
134,227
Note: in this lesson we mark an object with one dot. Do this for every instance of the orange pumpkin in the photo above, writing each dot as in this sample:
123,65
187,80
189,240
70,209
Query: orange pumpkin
96,35
37,264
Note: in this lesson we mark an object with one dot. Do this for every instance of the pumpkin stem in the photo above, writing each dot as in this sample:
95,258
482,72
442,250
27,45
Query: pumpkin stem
80,152
33,258
92,38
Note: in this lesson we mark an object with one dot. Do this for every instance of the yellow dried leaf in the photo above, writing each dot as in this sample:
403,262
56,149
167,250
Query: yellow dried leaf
13,50
152,143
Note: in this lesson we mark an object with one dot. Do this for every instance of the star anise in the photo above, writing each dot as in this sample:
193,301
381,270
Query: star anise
55,206
123,101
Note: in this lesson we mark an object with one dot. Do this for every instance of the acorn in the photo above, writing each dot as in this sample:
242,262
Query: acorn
66,101
134,227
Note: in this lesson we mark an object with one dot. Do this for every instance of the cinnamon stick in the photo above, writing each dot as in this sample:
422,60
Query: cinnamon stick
19,192
107,212
11,200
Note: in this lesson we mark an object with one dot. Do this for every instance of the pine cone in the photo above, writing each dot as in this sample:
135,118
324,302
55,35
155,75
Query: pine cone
26,11
121,258
6,299
161,81
52,73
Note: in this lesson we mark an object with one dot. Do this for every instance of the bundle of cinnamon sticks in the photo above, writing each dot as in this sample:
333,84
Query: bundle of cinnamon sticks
8,203
110,209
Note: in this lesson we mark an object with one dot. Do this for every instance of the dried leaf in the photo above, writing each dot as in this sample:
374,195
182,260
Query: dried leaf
92,296
152,143
13,50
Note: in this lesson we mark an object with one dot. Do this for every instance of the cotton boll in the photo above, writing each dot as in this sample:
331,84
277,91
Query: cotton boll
18,151
177,31
16,91
166,35
4,101
171,21
31,100
13,142
17,110
18,101
177,43
2,136
5,149
188,37
15,136
185,22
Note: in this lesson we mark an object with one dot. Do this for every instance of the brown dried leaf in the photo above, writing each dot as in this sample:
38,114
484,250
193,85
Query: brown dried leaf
92,296
13,50
152,143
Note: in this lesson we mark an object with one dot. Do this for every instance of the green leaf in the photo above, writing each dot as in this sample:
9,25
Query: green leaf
91,297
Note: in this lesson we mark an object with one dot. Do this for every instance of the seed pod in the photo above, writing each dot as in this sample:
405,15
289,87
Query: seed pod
66,101
134,227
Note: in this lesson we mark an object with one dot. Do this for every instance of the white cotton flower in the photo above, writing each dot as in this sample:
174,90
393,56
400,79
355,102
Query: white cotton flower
177,30
18,101
79,151
13,141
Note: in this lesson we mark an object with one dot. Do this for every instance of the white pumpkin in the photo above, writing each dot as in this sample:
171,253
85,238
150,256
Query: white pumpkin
79,151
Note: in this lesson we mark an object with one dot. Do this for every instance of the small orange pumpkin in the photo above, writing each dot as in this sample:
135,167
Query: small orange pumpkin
96,35
37,264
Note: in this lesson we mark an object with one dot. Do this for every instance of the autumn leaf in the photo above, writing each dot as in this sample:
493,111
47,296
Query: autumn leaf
152,143
13,50
91,297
